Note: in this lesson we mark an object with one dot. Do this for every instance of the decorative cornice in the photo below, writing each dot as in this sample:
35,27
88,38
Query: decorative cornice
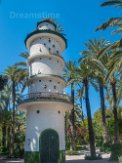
45,96
46,31
33,77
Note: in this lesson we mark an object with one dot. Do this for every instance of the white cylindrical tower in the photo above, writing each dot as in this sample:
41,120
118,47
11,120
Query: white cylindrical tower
45,102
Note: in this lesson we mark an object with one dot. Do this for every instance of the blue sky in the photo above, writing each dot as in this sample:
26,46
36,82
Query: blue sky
79,19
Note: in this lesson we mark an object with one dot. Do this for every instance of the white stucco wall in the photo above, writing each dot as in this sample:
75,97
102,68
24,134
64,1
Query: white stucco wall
45,45
47,65
51,86
48,118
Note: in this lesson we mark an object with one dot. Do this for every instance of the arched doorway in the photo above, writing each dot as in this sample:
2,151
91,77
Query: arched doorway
49,146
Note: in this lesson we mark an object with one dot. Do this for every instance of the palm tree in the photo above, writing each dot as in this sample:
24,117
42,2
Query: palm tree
4,112
85,74
15,77
115,60
93,49
116,123
69,73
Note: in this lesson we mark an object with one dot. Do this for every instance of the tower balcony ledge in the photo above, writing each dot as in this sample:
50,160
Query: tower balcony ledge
40,75
38,55
45,96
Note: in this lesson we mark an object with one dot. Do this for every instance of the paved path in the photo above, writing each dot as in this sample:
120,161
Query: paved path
70,159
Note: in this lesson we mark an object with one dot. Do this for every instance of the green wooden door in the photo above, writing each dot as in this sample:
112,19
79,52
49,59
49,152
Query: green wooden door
49,146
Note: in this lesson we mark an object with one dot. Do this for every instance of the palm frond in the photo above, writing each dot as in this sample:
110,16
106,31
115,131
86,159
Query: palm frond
116,3
110,23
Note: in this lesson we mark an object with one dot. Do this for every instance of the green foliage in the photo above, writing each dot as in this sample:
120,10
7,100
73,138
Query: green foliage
97,157
99,141
18,153
120,159
70,152
80,147
4,151
106,147
116,151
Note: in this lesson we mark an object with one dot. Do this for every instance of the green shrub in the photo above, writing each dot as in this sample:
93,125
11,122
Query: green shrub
106,147
80,147
4,151
73,152
99,142
97,157
116,151
19,153
120,159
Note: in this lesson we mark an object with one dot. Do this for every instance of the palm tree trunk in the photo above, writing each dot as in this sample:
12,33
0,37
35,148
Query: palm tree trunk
90,125
73,115
102,101
4,135
13,109
8,138
116,124
83,120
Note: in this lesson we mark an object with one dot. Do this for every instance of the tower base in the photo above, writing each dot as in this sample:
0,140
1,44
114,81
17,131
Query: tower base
34,157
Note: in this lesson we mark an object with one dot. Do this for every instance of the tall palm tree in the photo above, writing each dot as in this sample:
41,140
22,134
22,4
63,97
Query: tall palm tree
69,73
4,112
85,74
91,53
116,123
115,60
15,76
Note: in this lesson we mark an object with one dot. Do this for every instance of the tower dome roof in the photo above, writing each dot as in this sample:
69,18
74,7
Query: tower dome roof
50,21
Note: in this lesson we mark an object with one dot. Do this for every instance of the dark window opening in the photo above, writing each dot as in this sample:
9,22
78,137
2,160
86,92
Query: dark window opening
59,112
39,80
49,49
57,52
44,44
49,40
38,111
54,86
50,80
45,86
40,50
53,46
